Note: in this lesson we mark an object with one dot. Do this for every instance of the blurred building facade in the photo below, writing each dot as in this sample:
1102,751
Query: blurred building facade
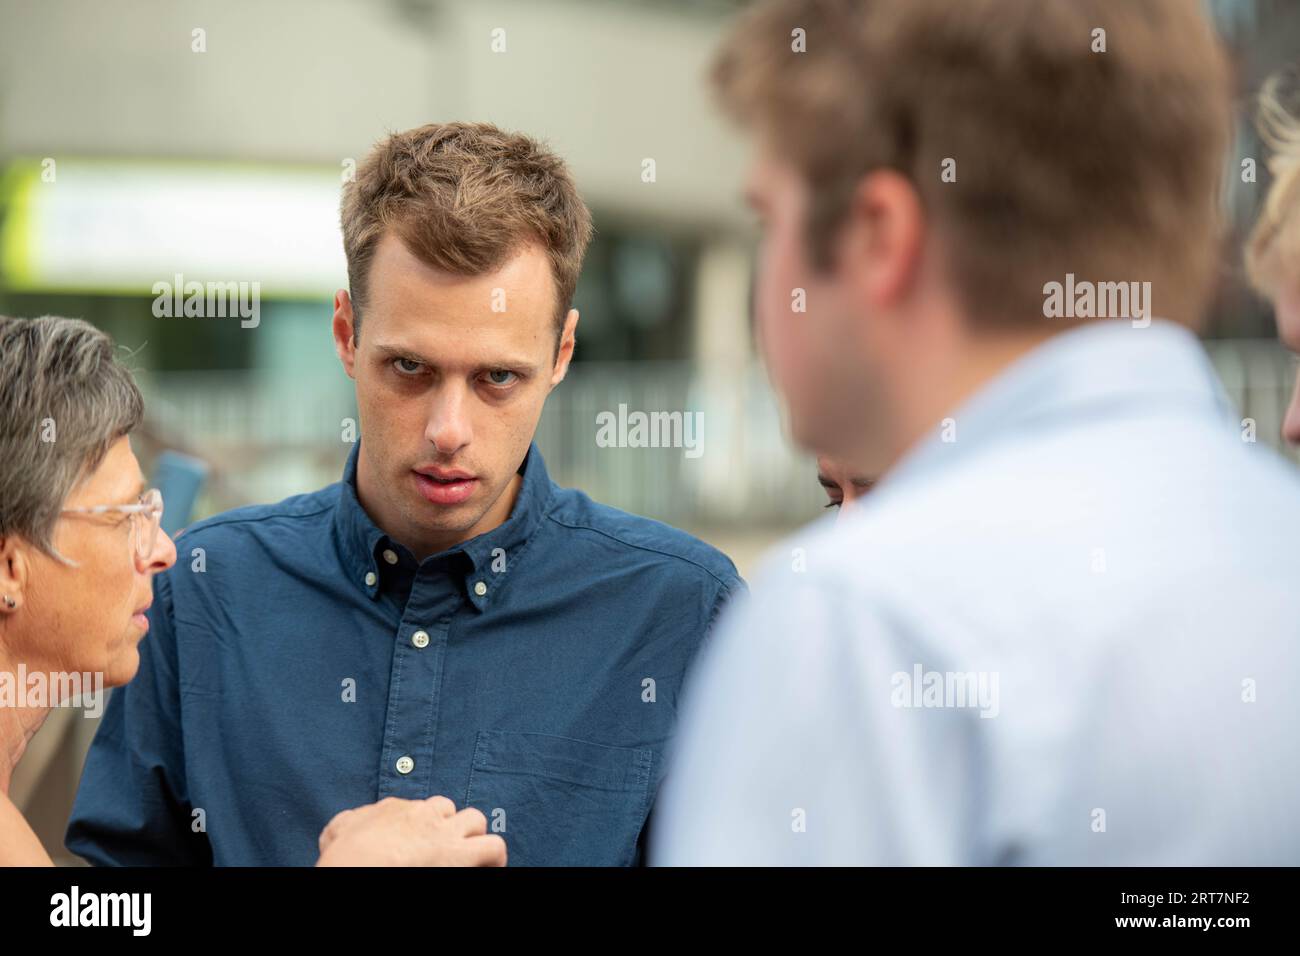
616,88
235,123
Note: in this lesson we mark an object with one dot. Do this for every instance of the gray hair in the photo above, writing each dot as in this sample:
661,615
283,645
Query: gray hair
65,399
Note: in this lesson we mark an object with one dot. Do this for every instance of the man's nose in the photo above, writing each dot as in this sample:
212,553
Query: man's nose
449,429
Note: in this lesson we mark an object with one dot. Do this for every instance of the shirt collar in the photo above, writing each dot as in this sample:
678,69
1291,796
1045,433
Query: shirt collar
484,561
1105,368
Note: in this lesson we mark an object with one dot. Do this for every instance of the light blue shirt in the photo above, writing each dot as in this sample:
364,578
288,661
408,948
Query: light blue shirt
1064,630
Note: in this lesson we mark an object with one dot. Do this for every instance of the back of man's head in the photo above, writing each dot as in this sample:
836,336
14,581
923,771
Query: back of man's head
1086,137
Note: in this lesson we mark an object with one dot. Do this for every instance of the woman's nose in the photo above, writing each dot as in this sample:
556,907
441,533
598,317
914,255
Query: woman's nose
163,556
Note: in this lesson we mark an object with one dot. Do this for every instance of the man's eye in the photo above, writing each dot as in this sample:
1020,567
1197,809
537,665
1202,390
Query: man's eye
500,377
408,366
833,504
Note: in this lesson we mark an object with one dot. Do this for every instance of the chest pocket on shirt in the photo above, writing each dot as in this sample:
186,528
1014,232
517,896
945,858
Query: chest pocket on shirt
563,802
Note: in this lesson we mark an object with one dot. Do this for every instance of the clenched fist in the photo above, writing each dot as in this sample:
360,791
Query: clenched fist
397,832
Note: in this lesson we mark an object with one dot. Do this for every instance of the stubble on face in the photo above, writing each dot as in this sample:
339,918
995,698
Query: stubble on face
452,373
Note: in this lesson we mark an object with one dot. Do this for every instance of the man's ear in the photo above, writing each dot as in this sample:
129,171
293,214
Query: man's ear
568,339
884,237
15,572
345,343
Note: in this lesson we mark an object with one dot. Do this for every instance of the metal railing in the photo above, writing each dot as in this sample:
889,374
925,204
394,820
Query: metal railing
267,440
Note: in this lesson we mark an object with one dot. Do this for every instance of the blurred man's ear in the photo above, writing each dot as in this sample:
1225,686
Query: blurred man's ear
883,237
564,356
345,343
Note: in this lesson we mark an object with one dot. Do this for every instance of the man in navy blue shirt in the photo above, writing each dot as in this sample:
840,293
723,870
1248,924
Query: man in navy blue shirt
445,620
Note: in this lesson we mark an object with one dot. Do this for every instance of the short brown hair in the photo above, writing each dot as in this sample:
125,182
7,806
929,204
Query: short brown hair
1067,160
465,197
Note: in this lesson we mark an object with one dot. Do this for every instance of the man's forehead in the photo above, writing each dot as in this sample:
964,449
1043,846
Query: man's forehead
523,259
402,282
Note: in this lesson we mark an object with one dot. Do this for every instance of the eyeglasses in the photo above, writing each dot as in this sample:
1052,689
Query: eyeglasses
146,519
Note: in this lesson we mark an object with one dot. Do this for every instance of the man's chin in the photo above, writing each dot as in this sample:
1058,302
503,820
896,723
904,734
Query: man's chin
842,441
433,520
809,432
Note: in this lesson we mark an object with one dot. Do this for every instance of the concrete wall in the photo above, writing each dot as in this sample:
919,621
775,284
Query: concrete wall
607,84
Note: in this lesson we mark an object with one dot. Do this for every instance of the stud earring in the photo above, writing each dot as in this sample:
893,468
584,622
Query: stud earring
10,602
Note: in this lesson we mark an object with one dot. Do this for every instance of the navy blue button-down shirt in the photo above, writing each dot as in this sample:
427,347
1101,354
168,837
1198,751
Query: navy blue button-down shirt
300,662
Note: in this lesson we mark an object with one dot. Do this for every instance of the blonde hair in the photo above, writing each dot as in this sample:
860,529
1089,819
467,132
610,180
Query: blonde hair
1274,243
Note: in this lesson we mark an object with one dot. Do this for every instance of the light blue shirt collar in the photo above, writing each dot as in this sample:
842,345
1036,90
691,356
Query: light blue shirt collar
1106,369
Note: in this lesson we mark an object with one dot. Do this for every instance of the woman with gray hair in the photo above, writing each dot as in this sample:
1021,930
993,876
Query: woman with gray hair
79,535
80,543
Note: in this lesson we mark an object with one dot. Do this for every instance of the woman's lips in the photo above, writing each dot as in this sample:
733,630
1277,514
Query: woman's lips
445,492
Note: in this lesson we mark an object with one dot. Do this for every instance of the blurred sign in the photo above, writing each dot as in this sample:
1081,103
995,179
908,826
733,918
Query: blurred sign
120,226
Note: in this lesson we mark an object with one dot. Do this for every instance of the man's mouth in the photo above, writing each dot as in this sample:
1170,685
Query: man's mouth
445,486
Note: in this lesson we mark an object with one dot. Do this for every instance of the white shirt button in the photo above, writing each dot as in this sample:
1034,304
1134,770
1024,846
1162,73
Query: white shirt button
480,588
390,556
405,765
371,579
420,639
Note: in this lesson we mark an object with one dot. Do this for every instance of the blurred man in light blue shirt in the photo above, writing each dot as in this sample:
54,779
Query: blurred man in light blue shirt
1065,626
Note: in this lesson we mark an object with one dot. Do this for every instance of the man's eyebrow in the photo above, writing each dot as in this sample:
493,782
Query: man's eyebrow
826,482
398,351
